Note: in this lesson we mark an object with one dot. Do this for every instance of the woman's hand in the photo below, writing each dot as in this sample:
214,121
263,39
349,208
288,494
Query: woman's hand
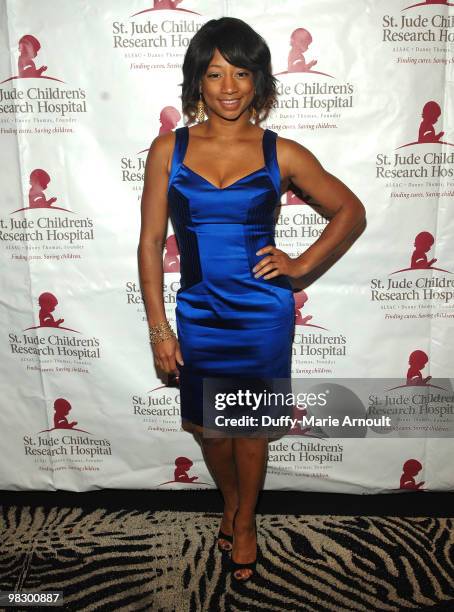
166,355
276,263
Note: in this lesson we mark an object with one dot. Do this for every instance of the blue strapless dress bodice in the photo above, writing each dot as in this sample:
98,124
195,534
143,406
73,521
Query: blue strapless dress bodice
229,323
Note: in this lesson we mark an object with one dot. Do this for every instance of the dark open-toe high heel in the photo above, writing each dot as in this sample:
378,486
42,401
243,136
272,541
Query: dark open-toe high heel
234,566
227,537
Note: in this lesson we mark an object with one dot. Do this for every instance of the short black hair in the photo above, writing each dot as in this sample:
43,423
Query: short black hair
241,46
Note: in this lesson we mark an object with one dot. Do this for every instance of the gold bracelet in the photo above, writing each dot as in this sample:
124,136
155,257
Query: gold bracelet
161,331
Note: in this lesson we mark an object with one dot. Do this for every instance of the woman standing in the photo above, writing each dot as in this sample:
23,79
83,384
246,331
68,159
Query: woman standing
221,181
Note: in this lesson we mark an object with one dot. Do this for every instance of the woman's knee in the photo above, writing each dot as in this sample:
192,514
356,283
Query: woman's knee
202,434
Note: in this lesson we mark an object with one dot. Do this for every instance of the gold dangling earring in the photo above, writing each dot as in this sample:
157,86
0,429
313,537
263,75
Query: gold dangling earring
253,115
200,115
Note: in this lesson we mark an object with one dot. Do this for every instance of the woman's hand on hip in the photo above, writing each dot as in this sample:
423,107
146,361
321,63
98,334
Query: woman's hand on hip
276,263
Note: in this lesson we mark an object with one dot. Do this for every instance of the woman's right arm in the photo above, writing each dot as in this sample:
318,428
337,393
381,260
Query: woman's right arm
154,216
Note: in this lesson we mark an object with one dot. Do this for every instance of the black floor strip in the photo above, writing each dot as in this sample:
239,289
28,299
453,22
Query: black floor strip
418,503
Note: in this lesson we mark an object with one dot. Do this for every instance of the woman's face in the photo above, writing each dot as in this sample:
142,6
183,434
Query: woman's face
223,82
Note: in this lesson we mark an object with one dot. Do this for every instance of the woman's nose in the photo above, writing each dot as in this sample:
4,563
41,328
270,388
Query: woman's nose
229,84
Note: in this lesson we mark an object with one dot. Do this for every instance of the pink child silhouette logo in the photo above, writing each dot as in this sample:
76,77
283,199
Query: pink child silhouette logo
47,304
166,5
426,2
418,360
61,410
180,474
39,180
299,430
301,298
29,46
430,114
28,50
169,118
300,39
171,255
423,243
426,134
294,196
182,467
291,199
410,469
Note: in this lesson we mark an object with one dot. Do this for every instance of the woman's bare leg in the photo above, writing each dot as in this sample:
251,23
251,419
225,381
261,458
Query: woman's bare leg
250,459
218,455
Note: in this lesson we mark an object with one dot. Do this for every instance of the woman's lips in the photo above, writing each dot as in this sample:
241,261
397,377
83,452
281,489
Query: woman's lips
230,104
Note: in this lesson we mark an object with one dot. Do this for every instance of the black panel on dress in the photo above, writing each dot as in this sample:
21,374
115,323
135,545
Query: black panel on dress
190,268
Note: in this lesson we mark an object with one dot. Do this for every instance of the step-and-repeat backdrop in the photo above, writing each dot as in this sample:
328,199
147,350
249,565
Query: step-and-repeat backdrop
367,86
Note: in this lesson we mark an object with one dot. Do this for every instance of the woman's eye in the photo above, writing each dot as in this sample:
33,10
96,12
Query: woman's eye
216,74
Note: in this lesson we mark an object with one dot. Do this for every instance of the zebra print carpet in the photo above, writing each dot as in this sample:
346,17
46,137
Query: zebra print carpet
168,562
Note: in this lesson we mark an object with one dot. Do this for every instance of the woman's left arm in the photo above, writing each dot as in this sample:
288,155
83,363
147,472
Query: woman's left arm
338,202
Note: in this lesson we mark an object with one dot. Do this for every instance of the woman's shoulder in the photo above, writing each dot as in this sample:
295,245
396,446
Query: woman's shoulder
291,153
286,147
164,141
162,147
